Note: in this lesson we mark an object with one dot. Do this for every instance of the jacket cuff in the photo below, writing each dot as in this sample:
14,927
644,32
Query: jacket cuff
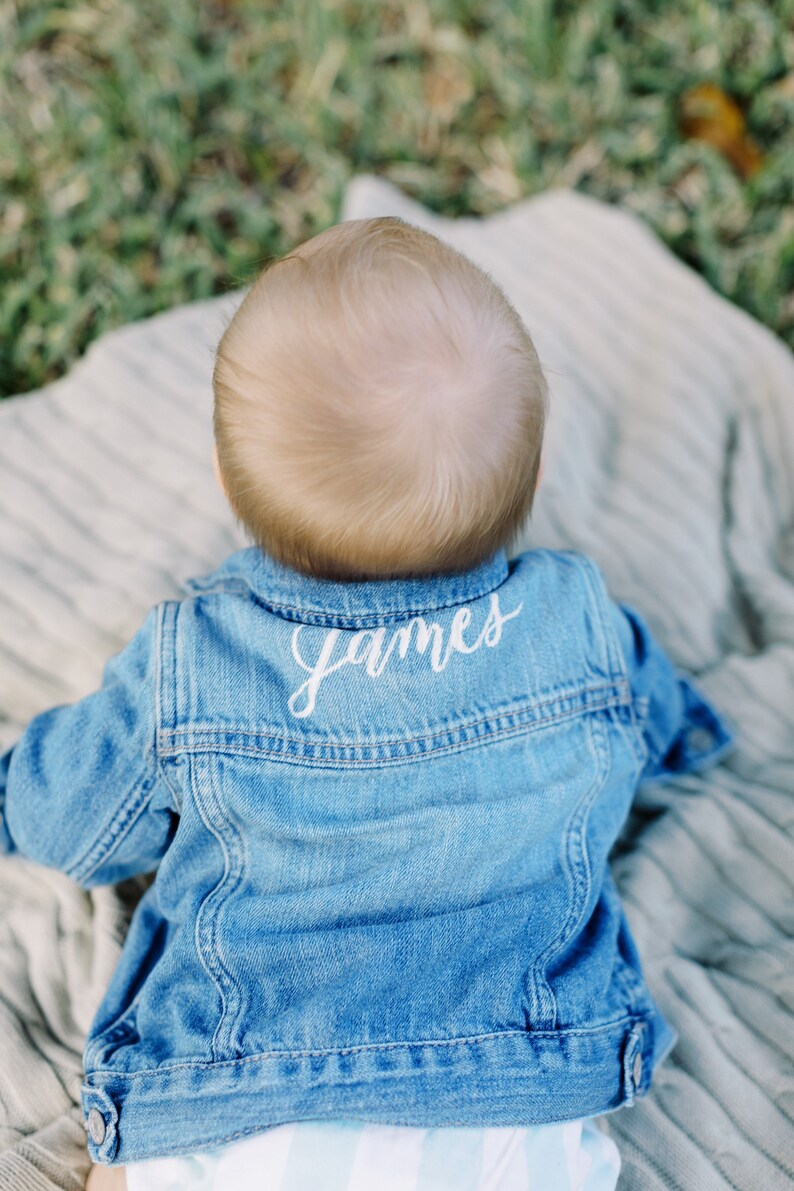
704,738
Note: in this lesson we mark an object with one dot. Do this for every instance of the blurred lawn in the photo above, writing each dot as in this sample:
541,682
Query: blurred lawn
155,151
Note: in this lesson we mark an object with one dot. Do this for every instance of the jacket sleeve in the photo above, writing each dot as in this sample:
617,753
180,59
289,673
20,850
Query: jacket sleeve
682,731
82,790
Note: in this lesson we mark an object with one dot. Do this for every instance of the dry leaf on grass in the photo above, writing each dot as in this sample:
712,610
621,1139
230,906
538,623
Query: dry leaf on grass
708,114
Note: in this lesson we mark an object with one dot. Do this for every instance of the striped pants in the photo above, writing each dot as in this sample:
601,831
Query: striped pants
351,1156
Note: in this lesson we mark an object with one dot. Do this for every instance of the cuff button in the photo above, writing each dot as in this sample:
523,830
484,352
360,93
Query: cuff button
700,739
96,1126
636,1070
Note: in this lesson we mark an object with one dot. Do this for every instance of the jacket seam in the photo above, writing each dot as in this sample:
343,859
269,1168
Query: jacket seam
158,704
578,868
373,1047
374,762
134,804
175,748
171,609
338,619
365,620
158,684
596,590
619,687
207,948
252,1130
233,847
614,653
99,851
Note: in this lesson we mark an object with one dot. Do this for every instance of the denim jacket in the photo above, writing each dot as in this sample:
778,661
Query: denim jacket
380,814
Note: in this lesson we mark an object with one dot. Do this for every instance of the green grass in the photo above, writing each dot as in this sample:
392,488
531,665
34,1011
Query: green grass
156,151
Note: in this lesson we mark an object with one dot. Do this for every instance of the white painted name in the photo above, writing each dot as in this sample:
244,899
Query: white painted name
370,649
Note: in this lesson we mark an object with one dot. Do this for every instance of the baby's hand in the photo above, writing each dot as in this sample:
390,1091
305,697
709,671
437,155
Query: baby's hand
106,1178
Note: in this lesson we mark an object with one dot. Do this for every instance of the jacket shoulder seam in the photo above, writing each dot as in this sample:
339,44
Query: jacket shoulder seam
166,640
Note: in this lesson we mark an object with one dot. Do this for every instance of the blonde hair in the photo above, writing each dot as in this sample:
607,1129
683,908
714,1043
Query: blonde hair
379,407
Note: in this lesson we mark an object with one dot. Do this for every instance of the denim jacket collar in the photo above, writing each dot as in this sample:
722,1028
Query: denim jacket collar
300,597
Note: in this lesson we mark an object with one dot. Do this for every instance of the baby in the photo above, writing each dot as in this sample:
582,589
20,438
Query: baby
378,768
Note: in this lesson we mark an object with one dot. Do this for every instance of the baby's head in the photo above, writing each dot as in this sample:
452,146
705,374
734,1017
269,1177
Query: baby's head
379,407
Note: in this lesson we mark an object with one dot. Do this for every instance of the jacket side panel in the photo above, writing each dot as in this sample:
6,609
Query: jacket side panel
596,963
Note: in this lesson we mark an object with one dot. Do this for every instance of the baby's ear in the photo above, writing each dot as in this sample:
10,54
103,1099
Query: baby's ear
216,465
537,481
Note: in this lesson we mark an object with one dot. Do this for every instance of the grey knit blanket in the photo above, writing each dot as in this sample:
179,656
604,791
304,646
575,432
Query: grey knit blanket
670,460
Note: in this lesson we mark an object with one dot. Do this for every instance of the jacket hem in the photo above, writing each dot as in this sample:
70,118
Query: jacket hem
511,1078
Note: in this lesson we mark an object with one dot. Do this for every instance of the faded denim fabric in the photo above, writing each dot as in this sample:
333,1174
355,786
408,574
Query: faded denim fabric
380,814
